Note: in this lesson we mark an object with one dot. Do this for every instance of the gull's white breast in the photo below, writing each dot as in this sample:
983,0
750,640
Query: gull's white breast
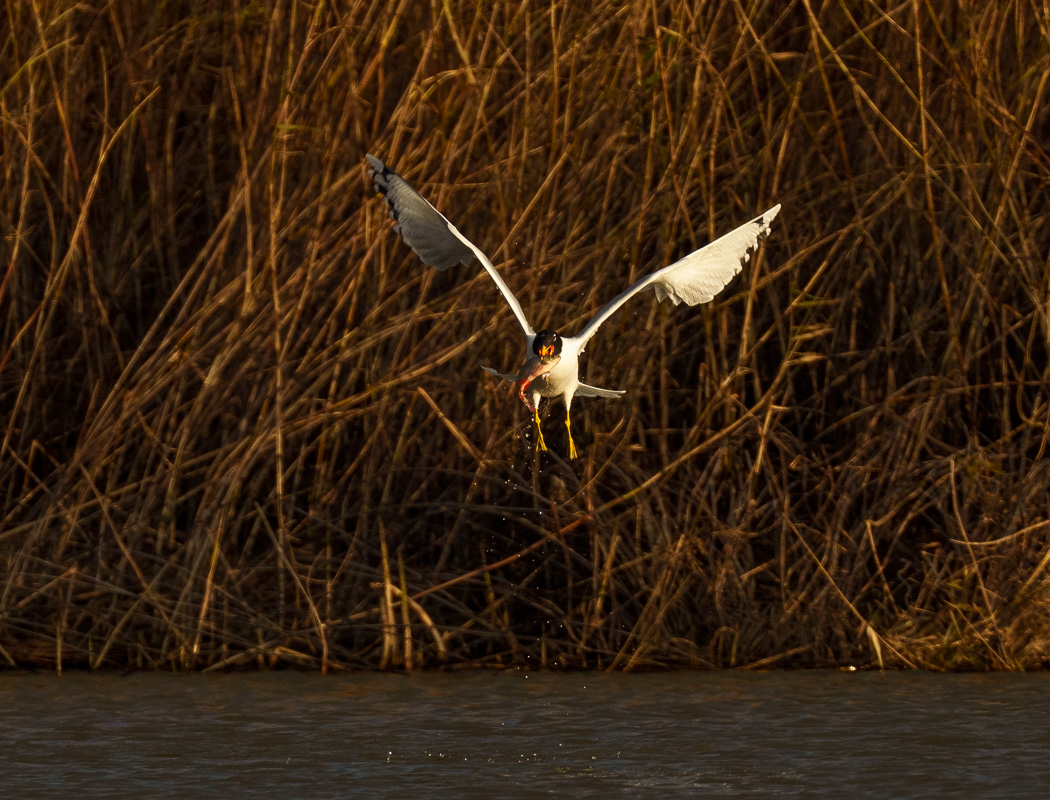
565,375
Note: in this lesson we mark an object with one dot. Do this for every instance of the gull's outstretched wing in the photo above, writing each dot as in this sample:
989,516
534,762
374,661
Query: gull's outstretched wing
698,277
433,238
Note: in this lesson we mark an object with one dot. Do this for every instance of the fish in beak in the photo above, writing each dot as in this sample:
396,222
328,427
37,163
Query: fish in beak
535,367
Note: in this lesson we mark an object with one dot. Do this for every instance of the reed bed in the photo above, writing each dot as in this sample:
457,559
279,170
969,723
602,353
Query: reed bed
244,427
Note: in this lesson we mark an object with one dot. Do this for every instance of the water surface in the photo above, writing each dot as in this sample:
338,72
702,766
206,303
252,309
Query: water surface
785,734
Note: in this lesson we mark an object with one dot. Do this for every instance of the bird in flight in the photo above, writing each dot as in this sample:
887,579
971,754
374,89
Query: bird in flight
552,361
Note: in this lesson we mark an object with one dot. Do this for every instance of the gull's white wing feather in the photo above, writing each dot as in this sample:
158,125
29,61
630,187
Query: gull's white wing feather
583,390
433,238
512,378
698,277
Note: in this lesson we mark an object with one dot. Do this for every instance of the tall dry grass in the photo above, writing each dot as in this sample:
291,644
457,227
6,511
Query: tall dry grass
243,425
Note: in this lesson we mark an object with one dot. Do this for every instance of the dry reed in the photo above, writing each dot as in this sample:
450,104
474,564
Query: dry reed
242,425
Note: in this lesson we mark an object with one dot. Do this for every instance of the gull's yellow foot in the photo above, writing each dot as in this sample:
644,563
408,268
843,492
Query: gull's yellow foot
540,444
568,429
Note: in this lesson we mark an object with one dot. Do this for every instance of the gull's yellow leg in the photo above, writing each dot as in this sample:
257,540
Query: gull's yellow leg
540,444
568,429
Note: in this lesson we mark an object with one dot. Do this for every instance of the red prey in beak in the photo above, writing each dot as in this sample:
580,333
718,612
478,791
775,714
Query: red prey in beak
536,367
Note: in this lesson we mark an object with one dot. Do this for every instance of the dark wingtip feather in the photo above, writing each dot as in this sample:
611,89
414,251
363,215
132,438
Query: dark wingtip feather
419,224
375,165
379,173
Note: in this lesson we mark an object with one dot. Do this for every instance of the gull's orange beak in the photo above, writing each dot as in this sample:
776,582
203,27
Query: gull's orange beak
547,351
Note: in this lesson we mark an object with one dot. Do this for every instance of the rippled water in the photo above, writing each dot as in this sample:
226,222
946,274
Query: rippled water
801,734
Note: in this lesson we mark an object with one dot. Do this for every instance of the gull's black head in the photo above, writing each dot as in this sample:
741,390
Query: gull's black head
546,344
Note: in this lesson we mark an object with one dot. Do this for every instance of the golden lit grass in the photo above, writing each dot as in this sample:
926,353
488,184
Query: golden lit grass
243,424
